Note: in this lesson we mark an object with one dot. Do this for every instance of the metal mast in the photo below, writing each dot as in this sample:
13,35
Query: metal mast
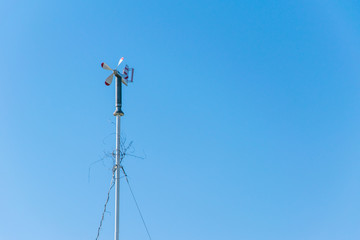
118,113
120,78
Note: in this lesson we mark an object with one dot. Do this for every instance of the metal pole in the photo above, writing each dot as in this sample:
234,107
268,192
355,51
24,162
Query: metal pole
117,178
118,113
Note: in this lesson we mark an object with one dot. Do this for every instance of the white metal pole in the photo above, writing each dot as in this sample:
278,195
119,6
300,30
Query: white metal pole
117,178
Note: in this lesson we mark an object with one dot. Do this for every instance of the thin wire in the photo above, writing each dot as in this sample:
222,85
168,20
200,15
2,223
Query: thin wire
107,200
122,156
132,155
137,205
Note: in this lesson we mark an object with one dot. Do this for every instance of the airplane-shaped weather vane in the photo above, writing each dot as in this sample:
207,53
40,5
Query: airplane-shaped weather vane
120,77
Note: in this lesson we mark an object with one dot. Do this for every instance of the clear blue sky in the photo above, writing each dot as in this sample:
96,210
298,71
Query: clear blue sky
247,112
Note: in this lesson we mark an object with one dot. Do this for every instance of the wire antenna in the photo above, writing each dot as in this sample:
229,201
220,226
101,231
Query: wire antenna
137,205
105,205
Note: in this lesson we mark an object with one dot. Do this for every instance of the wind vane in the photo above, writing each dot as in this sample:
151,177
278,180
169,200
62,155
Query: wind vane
120,78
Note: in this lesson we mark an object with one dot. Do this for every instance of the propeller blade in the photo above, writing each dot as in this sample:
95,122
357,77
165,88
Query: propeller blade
109,79
121,59
105,66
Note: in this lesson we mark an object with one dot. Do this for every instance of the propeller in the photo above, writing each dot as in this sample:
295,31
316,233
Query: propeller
124,75
109,79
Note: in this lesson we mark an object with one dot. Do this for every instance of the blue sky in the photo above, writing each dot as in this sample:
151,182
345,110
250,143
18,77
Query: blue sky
247,113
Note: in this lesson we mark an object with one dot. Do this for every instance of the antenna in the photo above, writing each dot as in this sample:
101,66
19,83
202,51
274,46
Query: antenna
120,78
